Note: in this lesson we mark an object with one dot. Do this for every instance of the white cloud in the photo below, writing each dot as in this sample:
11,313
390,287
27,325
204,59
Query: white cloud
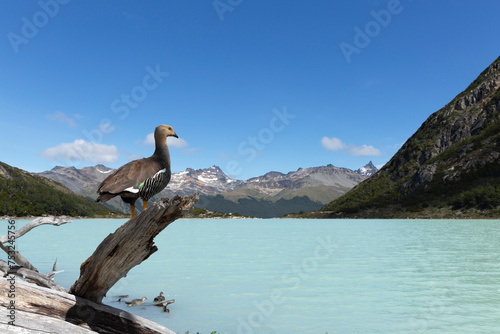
176,142
332,144
59,116
335,144
80,150
363,151
171,141
150,139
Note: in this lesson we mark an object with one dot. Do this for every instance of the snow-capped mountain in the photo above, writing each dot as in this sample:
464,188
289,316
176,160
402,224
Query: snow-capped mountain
211,180
367,170
273,183
78,180
318,184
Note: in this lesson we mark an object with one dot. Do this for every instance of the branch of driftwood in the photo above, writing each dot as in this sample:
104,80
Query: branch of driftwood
131,244
42,310
48,307
165,304
24,268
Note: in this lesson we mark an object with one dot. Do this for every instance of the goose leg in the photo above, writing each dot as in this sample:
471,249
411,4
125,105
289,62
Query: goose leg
145,204
132,209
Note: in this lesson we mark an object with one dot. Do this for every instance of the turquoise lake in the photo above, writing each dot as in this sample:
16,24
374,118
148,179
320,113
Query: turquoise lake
299,276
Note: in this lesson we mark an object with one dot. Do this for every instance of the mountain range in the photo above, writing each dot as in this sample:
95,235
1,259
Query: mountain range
450,167
24,194
269,195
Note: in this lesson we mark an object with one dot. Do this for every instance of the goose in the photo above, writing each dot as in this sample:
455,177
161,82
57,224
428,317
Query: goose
135,302
159,298
142,178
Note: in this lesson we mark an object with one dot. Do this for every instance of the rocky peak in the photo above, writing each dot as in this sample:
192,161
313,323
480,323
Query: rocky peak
367,170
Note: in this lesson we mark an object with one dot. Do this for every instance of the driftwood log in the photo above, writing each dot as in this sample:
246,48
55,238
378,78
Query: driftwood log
24,268
41,310
47,307
131,244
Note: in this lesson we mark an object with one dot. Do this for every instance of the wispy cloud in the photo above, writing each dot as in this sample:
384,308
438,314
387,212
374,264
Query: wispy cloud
332,144
81,150
150,139
171,141
335,144
176,142
364,151
61,117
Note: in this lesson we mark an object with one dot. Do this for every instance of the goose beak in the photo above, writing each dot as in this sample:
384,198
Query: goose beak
175,135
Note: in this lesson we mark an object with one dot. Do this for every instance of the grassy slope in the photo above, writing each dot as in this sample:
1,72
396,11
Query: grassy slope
23,194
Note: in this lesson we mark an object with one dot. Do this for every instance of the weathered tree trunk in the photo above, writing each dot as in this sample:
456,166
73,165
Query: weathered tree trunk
131,244
35,309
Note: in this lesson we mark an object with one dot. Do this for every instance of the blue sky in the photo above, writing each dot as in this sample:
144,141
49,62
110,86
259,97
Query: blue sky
250,86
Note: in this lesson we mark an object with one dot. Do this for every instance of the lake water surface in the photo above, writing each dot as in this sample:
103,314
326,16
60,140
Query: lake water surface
300,276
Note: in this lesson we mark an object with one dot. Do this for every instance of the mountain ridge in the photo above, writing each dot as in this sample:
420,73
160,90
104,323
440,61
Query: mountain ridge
23,194
449,167
317,184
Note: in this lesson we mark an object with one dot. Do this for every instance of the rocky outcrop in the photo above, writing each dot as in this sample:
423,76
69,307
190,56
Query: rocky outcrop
476,95
421,178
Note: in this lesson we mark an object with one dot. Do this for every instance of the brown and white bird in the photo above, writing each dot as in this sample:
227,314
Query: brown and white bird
159,298
142,178
135,302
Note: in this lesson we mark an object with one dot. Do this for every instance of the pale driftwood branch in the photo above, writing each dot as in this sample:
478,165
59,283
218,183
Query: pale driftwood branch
15,256
42,310
54,270
4,267
166,303
25,269
13,253
35,223
30,275
131,244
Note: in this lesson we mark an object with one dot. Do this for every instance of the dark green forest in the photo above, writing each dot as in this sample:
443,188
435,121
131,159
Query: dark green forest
260,208
23,194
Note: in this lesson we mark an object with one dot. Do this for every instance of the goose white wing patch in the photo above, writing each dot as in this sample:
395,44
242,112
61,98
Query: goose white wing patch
132,190
135,190
160,172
